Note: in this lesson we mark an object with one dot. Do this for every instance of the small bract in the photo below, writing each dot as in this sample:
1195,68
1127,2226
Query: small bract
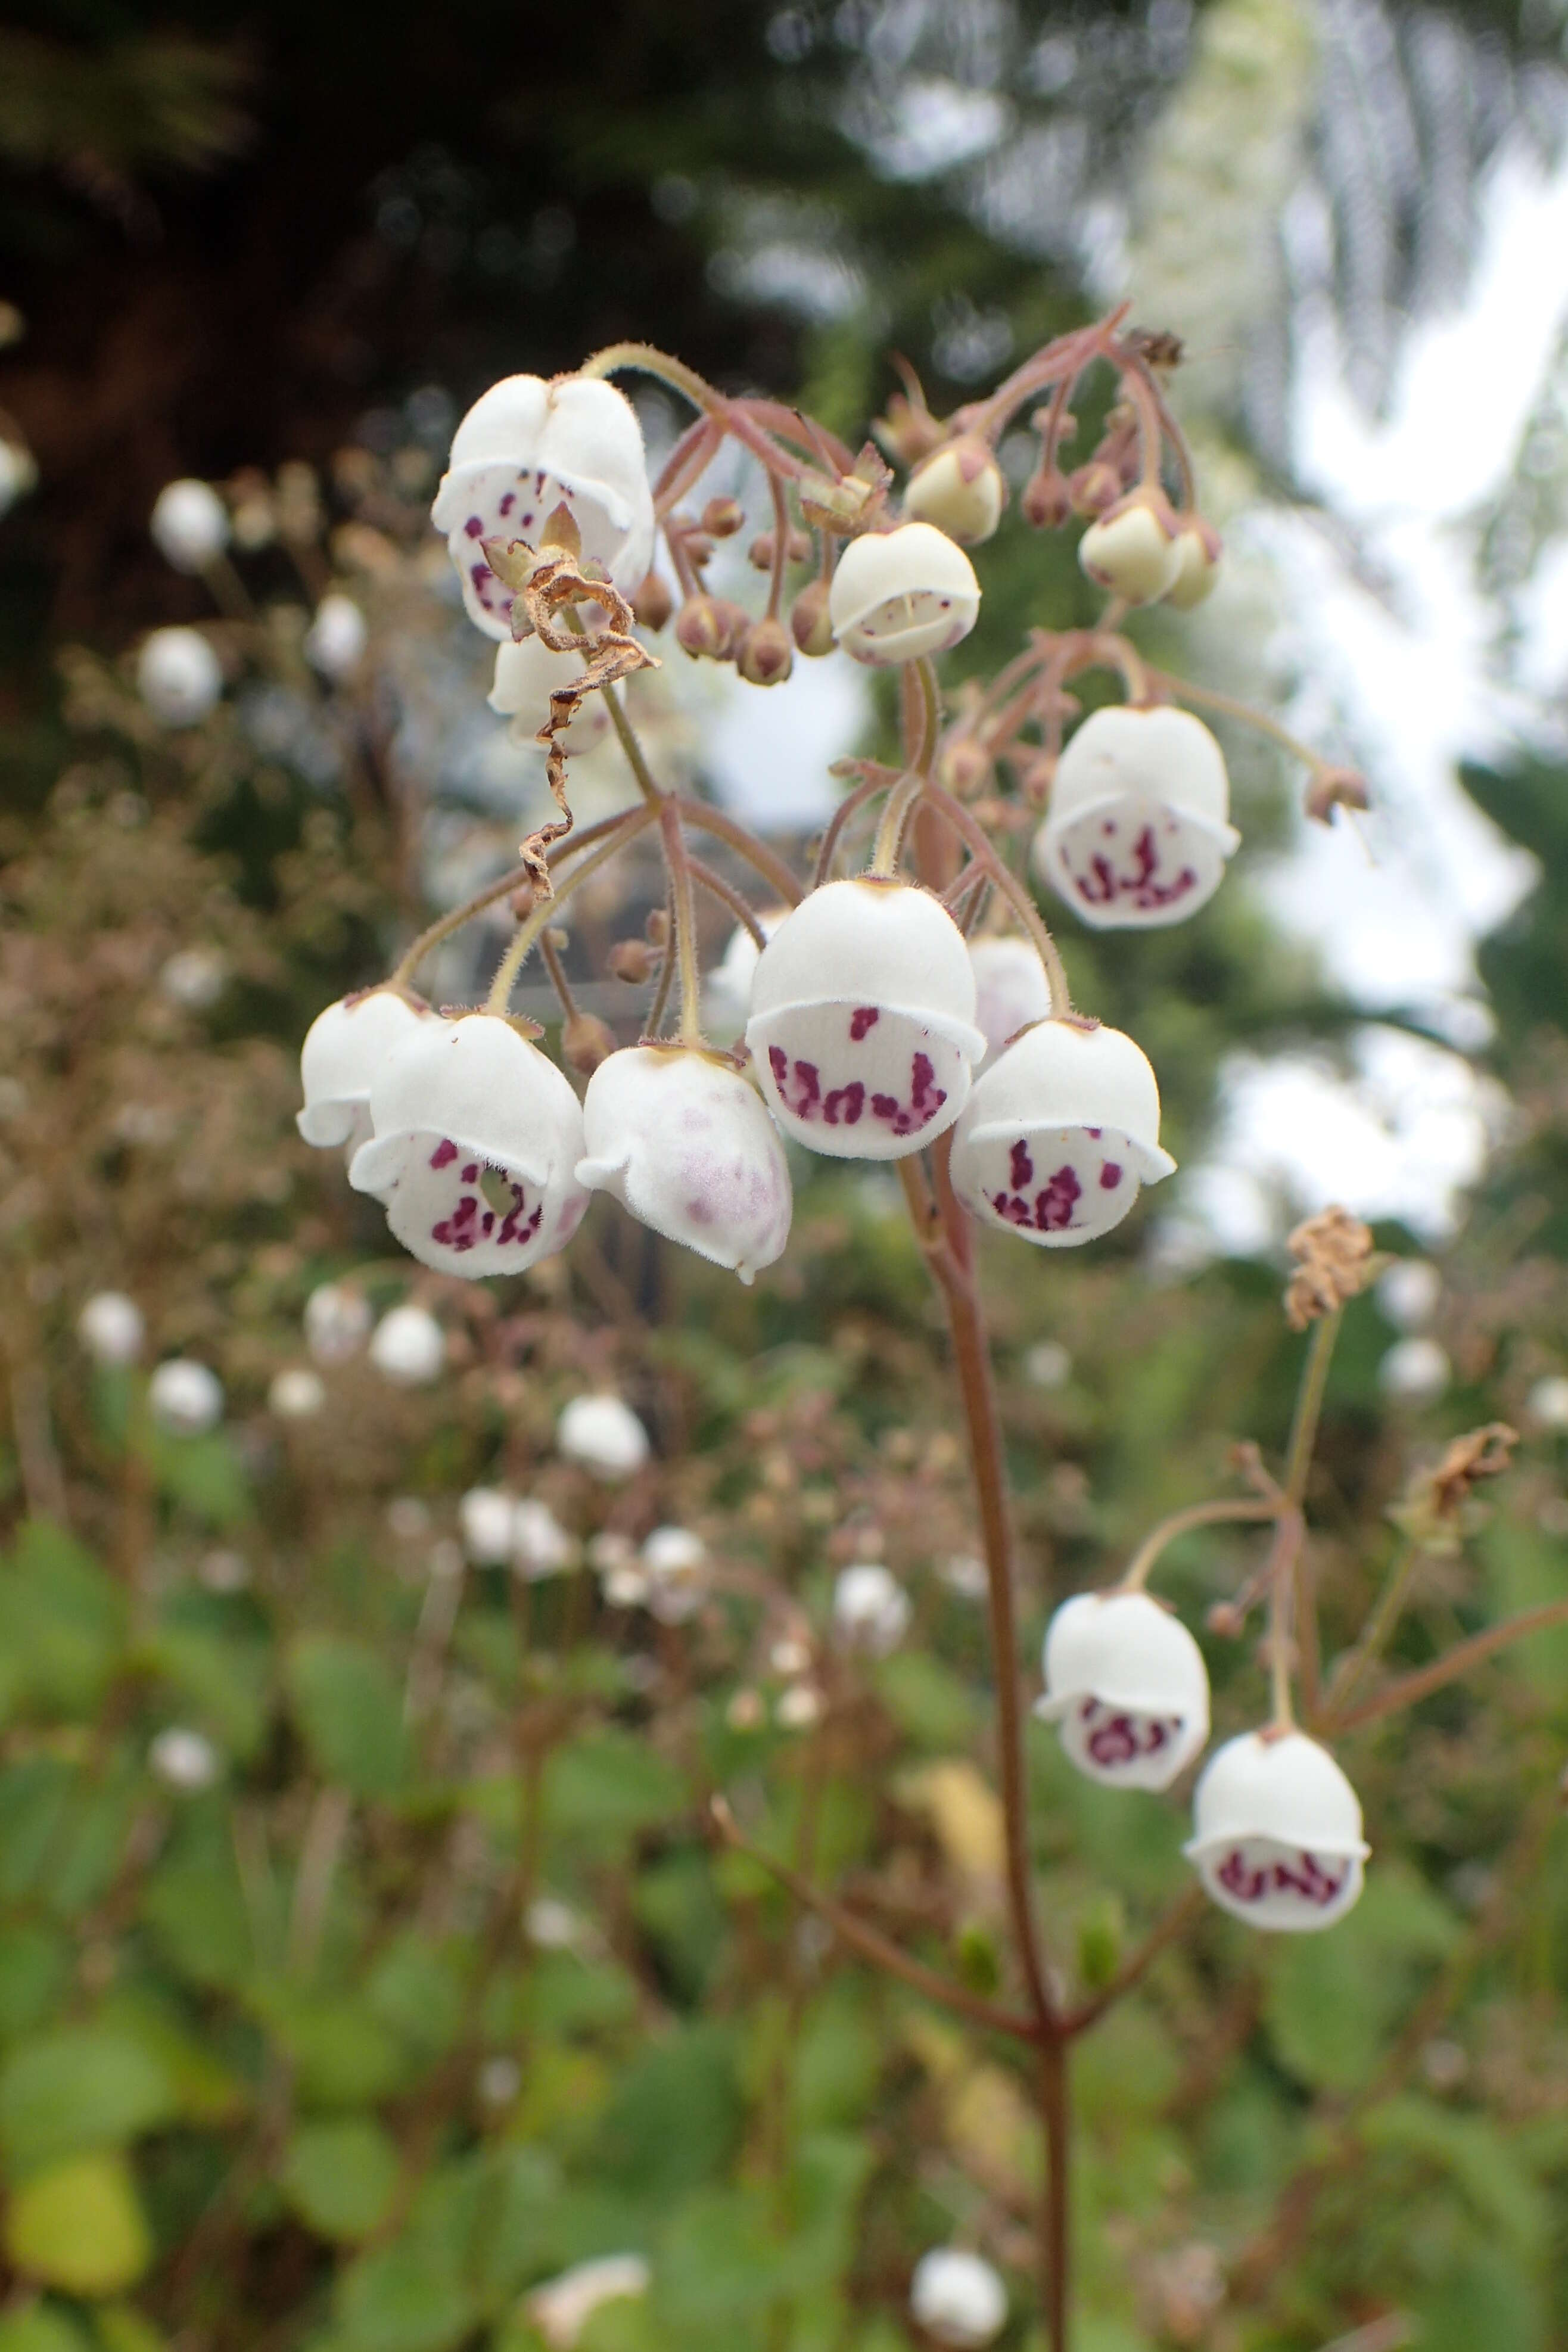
958,2298
862,1027
1133,549
110,1327
185,1396
1127,1687
870,1608
526,447
526,674
604,1435
476,1136
901,593
681,1140
1138,831
408,1347
1277,1833
336,638
189,524
960,489
178,676
345,1046
1011,990
1059,1134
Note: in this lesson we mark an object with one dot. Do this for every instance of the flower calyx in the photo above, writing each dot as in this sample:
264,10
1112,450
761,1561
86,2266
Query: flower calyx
854,502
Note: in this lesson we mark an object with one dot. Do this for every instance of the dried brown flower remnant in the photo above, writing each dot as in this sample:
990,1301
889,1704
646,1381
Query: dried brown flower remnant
1433,1511
1333,1262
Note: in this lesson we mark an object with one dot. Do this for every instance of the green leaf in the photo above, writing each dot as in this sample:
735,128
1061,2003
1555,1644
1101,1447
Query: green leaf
203,1475
34,1963
342,2055
194,1903
40,2327
341,2177
79,2226
604,1789
85,2086
120,2328
221,1682
349,1709
62,1623
934,1707
1333,1999
676,1903
408,2297
674,2118
419,1991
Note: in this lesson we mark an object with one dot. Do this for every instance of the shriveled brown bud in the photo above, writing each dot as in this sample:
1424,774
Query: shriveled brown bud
1046,500
1226,1620
963,767
760,554
1332,788
653,602
722,517
657,928
585,1042
1094,486
1438,1508
766,653
702,628
808,621
907,430
1334,1262
632,960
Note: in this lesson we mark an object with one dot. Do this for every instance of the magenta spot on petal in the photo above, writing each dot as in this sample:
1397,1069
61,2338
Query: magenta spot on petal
1021,1168
778,1063
474,527
472,1172
885,1106
445,1152
1110,1176
508,503
863,1018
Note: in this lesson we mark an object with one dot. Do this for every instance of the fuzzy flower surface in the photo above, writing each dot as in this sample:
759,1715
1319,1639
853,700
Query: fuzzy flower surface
1139,827
1277,1833
1127,1688
1059,1135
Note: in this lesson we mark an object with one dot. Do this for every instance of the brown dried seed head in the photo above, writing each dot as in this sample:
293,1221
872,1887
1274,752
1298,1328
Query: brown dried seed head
1436,1509
1334,1262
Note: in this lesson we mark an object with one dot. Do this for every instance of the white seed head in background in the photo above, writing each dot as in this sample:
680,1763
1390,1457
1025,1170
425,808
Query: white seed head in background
675,1563
485,1523
336,638
182,1760
1414,1372
540,1545
296,1394
604,1436
110,1327
408,1347
958,2298
189,525
337,1322
185,1396
195,979
870,1610
178,676
1409,1293
1547,1403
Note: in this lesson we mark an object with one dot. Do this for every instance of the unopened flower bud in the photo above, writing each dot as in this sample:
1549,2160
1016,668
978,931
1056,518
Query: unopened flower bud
1198,549
1138,830
1046,500
1133,550
343,1049
959,489
810,623
760,554
766,653
901,593
585,1042
1011,990
653,602
1127,1687
1277,1833
1094,486
964,767
722,517
703,629
1332,788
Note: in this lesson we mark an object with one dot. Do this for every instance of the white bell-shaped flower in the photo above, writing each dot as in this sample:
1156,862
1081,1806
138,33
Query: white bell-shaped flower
477,1134
681,1140
485,1524
901,593
336,638
1139,828
1058,1135
337,1322
870,1608
1277,1832
527,446
540,1545
1011,990
675,1562
1134,551
185,1398
526,675
189,524
862,1027
727,991
958,2298
345,1046
604,1435
1127,1687
178,676
110,1327
408,1347
17,472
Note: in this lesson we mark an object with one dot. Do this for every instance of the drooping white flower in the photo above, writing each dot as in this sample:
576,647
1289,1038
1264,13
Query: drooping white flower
862,1026
958,2298
185,1396
1127,1687
189,524
336,638
408,1347
1409,1292
476,1135
178,676
485,1523
561,2308
1547,1403
958,488
1134,549
1138,830
344,1048
526,675
1277,1833
110,1327
1414,1372
182,1760
682,1141
540,1545
296,1394
870,1608
337,1322
604,1435
526,447
1059,1134
899,593
727,995
1010,990
675,1561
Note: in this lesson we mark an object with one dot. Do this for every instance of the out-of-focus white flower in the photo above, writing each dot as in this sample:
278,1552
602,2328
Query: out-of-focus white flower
682,1141
1059,1134
296,1394
1409,1293
499,2081
336,638
18,473
195,977
526,675
862,1028
1010,990
870,1608
1048,1365
1414,1372
110,1327
409,1347
526,447
178,676
562,2306
182,1760
958,2298
604,1435
189,525
1127,1688
485,1519
675,1561
553,1926
964,1573
727,995
337,1322
344,1047
476,1137
222,1570
789,1655
1277,1833
185,1396
1198,553
1139,829
540,1545
745,1711
799,1707
899,593
1547,1403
